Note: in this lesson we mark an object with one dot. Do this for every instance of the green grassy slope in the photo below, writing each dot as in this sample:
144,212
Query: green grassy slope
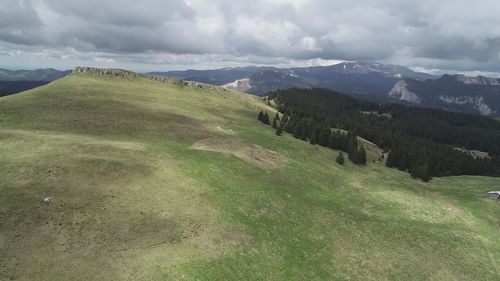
161,181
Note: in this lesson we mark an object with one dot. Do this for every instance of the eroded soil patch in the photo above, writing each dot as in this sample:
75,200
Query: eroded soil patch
252,154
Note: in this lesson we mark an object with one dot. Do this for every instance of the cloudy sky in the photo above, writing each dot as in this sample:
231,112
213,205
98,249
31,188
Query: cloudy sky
430,35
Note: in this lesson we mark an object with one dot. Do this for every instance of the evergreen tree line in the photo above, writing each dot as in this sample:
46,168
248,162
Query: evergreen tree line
470,131
421,141
307,129
424,159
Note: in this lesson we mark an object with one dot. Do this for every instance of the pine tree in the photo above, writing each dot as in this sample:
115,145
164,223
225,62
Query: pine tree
279,130
308,128
313,139
300,129
422,172
275,123
261,116
403,163
296,130
352,146
356,157
393,157
277,117
323,134
361,156
289,125
340,159
265,119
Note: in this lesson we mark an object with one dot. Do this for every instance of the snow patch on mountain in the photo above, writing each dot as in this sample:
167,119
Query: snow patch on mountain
400,91
394,71
241,85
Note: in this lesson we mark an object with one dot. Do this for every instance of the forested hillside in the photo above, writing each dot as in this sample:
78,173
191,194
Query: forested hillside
12,87
425,142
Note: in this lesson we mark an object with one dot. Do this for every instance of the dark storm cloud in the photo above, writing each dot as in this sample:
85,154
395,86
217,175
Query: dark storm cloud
19,23
426,33
481,50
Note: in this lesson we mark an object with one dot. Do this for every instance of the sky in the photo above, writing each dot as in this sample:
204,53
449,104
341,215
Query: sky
435,36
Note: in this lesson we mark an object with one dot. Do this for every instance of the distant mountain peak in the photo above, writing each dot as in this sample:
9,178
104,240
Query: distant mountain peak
45,74
478,80
389,70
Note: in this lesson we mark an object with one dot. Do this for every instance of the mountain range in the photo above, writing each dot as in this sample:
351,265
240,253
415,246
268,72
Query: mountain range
46,74
354,78
15,81
365,80
451,92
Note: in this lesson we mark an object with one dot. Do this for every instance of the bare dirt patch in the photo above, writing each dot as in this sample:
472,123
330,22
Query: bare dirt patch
368,209
217,145
252,154
356,183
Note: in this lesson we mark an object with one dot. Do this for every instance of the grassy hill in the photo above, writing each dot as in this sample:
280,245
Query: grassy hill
155,180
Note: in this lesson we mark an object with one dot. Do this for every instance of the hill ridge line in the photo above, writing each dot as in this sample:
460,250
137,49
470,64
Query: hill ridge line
123,73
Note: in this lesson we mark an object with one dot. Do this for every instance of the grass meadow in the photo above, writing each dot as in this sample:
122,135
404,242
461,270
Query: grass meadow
133,197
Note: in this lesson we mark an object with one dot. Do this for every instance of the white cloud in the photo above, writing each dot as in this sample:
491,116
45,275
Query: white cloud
434,34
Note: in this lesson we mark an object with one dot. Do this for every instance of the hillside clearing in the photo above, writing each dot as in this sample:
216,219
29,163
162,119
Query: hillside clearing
373,152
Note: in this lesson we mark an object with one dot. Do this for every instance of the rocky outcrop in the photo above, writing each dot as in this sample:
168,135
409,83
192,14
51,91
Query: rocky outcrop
119,73
108,71
241,85
478,103
162,79
401,92
130,74
478,80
